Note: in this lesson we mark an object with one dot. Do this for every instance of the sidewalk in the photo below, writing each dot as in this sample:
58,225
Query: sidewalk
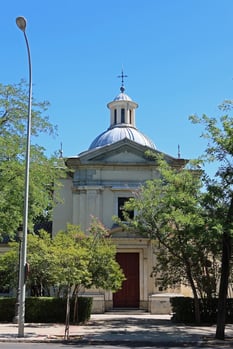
116,328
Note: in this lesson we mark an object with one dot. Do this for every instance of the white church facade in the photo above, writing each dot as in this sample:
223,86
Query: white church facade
103,178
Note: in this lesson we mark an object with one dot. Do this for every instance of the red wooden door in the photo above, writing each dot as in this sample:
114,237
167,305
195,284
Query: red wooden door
128,296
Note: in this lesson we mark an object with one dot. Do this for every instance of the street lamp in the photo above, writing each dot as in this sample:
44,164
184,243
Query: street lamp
21,23
19,239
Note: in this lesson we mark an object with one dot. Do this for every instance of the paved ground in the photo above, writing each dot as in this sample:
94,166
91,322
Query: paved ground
118,328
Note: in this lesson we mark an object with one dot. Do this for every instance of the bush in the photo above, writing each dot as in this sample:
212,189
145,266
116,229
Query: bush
45,309
84,309
7,309
183,310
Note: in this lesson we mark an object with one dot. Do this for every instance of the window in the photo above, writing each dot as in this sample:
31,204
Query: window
115,116
122,115
130,116
121,202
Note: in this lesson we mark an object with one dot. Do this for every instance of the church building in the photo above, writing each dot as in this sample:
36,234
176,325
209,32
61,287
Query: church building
103,177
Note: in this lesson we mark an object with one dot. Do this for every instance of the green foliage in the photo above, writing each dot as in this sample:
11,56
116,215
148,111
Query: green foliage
105,271
45,309
39,257
40,260
9,267
43,174
183,310
70,259
219,133
84,309
170,213
86,260
7,309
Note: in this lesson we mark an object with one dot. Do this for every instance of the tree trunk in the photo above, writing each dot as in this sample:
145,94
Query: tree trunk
195,296
67,325
225,272
75,313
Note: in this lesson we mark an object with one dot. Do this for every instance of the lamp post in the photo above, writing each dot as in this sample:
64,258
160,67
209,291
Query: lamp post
21,23
19,237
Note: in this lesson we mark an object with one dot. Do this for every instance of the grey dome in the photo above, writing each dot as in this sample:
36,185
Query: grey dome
119,132
122,97
122,123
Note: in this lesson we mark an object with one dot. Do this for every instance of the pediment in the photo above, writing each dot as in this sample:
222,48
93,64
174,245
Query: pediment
124,151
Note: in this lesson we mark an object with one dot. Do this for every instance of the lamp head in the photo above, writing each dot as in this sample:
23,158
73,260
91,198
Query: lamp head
20,232
21,23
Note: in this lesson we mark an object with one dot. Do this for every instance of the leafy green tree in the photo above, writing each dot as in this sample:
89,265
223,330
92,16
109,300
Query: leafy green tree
40,278
70,258
92,257
43,174
9,267
39,259
68,262
84,260
105,271
219,133
169,212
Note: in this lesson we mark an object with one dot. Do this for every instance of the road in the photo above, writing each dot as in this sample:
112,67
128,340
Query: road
81,346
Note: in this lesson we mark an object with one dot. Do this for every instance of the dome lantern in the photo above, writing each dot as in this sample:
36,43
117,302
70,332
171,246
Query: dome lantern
122,122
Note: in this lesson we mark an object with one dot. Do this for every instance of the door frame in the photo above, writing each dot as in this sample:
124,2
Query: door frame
138,283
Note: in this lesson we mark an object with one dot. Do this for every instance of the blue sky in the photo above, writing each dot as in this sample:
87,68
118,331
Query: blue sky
178,55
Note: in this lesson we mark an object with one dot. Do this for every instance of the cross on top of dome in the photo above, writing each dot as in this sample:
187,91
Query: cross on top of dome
122,76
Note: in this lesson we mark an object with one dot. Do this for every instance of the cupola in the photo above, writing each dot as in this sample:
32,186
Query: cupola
122,122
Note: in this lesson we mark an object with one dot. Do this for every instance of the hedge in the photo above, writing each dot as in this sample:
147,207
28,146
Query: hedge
46,309
7,309
183,310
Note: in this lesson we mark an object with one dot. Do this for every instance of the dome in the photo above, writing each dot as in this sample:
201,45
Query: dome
122,122
122,97
117,133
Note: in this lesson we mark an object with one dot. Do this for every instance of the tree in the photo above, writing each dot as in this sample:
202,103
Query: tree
170,213
9,267
220,150
40,260
105,271
92,257
69,262
85,261
43,174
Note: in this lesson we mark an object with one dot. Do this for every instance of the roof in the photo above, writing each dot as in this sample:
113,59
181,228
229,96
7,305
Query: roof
119,132
122,97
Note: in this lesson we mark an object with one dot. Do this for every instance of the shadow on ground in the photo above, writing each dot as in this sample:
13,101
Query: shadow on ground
134,331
